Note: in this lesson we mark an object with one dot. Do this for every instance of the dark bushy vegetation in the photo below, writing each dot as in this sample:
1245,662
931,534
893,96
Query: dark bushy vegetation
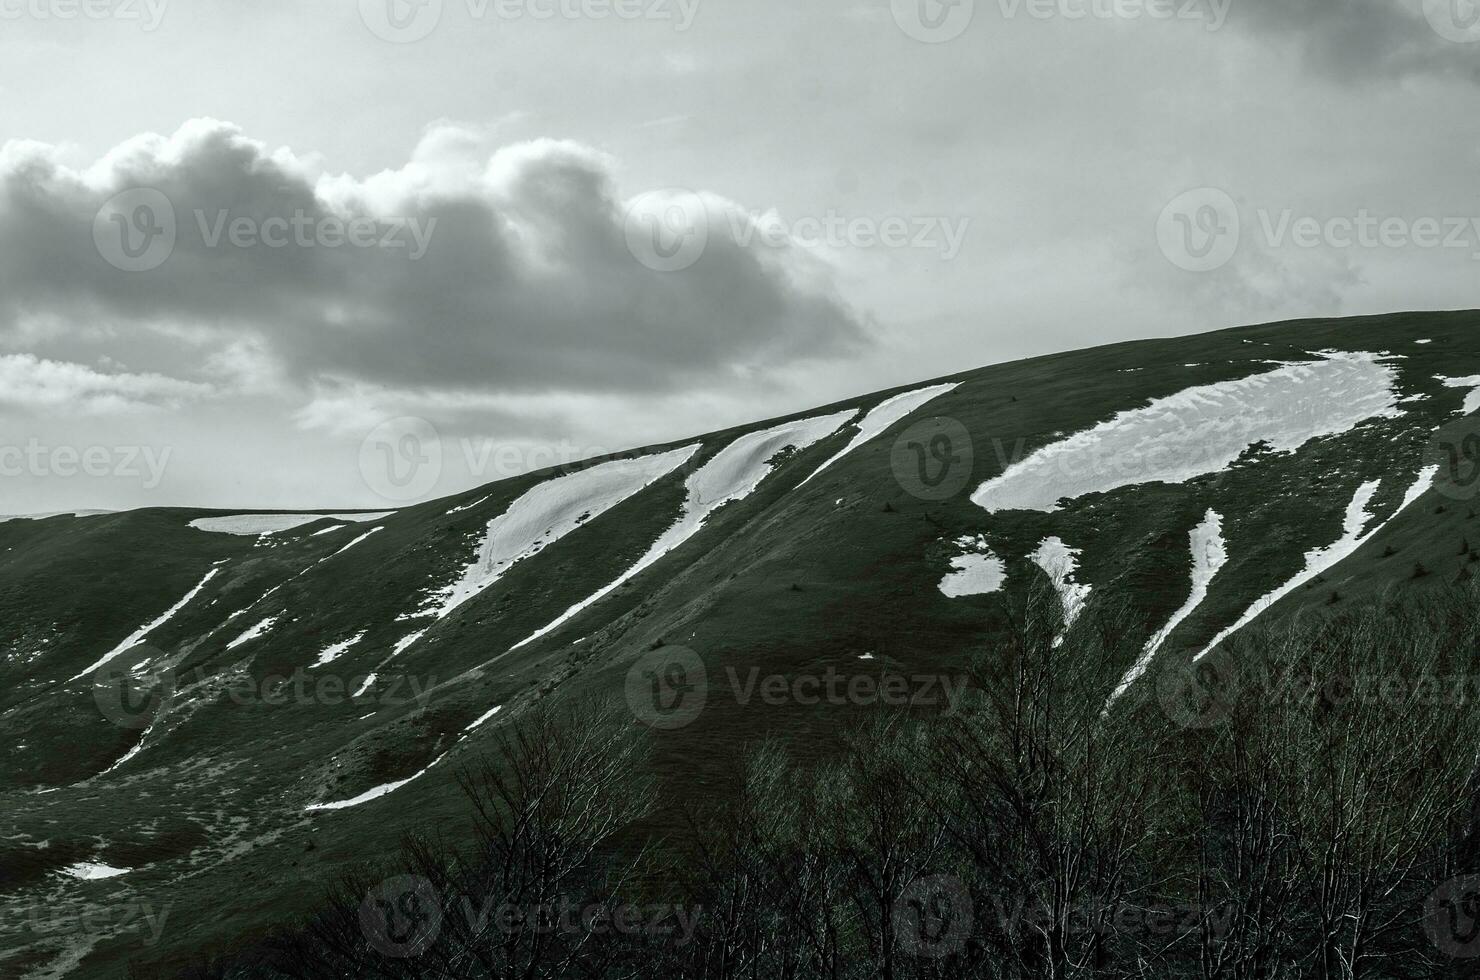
1287,808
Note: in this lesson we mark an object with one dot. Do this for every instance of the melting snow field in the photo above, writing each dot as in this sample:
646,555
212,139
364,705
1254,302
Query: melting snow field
259,524
1319,560
373,794
885,414
977,572
484,717
1060,562
253,632
732,474
1200,430
333,652
1209,555
138,635
91,871
548,512
1472,397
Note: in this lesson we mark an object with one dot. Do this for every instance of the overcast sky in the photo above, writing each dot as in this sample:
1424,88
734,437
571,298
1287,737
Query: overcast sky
259,254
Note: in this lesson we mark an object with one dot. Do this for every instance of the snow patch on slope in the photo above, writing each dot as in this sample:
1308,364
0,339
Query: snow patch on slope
264,524
253,632
548,512
334,651
1209,555
733,474
138,635
1200,430
92,871
885,414
977,571
1319,560
1061,562
373,794
1472,397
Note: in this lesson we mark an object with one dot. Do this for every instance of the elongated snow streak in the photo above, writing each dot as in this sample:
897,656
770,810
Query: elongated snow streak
253,632
328,530
733,474
267,524
351,544
1472,397
396,651
92,871
484,717
334,651
459,510
976,572
1200,430
374,794
1061,562
885,414
1209,555
138,635
548,512
1319,560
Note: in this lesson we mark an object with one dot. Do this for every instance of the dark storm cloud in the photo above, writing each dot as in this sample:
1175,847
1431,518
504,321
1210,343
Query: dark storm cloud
523,271
1361,39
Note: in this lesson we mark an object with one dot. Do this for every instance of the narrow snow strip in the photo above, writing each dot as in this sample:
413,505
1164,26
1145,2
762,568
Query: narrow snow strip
459,510
138,635
92,871
1061,562
257,524
977,572
366,685
733,474
334,651
548,512
484,717
405,642
885,414
1472,397
351,544
1200,430
373,794
329,530
252,633
1319,560
1209,555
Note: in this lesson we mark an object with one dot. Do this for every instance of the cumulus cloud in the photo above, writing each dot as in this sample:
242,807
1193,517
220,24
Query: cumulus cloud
468,269
1358,39
54,386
